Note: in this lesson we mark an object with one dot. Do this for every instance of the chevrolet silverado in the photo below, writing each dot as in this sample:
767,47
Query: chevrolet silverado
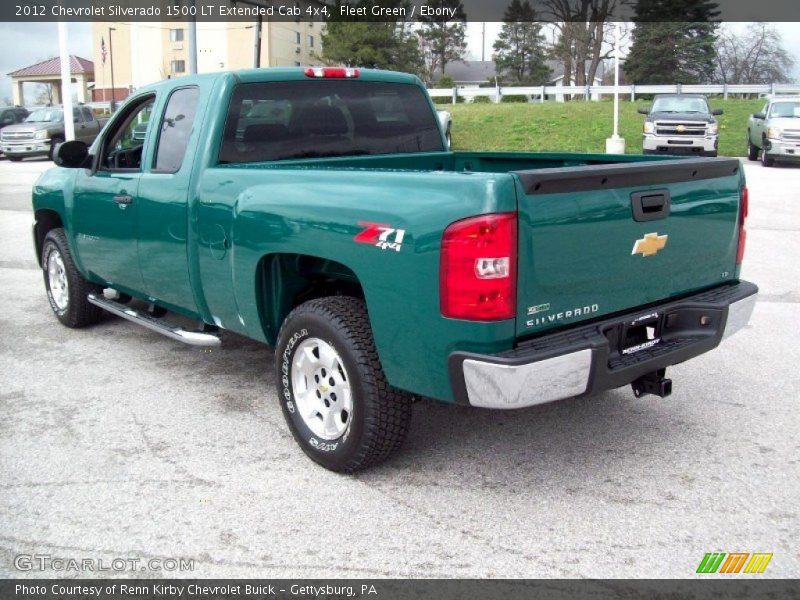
320,212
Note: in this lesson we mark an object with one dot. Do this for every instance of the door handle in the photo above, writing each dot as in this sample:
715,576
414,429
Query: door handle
123,200
649,206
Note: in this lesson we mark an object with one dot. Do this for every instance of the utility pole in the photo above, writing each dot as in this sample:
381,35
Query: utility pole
483,41
257,43
111,60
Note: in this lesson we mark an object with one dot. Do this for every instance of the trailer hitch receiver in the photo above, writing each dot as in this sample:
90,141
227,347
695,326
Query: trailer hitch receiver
652,383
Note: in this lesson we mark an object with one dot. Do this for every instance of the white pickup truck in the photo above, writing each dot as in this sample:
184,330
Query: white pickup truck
774,133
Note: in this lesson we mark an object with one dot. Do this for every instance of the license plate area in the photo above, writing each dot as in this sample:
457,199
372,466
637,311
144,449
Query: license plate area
640,333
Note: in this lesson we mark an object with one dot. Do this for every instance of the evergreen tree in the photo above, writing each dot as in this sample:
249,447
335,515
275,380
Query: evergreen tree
520,54
678,51
382,45
443,38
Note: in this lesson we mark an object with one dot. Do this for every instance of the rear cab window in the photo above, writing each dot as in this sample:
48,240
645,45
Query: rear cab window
324,119
176,128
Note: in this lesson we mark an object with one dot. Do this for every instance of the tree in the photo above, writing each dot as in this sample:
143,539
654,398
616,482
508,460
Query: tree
756,55
520,53
678,51
383,45
45,94
583,28
443,38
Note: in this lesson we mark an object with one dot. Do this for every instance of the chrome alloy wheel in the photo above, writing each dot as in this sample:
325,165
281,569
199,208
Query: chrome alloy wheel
321,389
57,280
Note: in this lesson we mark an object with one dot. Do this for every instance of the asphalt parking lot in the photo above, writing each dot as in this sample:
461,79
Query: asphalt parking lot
116,442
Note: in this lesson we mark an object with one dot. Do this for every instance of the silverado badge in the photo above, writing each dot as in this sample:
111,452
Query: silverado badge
649,244
680,128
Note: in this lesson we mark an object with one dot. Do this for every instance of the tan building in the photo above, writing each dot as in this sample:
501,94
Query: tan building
144,53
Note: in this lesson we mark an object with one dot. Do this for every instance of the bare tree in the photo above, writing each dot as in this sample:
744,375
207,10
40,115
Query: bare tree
756,55
583,33
45,94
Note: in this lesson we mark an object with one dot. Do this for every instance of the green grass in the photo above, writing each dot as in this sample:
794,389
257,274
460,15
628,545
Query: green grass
576,126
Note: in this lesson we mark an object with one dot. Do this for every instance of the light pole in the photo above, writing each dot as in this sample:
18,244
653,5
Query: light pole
111,57
616,144
66,82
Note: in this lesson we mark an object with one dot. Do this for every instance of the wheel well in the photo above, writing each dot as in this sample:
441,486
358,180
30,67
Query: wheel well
45,221
284,281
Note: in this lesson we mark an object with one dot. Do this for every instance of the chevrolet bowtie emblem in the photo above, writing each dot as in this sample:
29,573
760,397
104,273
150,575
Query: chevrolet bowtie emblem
649,244
681,128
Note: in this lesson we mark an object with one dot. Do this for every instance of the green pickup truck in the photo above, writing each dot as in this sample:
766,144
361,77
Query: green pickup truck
320,212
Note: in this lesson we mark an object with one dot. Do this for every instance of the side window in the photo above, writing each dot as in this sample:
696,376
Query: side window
176,127
122,148
76,116
87,114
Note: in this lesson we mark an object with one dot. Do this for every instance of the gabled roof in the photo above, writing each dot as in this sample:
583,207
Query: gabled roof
484,71
52,66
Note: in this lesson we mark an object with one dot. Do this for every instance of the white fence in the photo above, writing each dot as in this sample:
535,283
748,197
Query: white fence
594,92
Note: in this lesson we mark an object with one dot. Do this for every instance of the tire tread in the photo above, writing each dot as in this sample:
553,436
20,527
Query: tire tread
389,412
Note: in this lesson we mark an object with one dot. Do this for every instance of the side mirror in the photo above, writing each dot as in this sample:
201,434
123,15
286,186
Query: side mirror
760,116
643,110
717,112
72,155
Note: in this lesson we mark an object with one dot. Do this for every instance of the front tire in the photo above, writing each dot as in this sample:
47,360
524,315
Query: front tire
14,158
51,154
332,389
66,288
752,150
765,158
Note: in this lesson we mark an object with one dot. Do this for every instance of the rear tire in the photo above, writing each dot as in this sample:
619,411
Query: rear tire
66,288
14,158
333,393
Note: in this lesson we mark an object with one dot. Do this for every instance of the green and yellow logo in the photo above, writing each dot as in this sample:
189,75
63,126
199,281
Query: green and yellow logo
734,562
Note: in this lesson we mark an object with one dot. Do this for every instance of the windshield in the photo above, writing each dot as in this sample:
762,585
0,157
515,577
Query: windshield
679,104
46,115
785,110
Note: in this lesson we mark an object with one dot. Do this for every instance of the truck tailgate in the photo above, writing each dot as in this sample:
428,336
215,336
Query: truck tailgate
599,239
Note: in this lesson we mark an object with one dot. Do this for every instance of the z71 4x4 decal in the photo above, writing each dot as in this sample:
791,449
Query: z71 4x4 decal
384,237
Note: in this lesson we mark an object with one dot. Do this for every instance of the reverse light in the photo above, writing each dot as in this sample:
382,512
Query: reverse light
332,72
744,208
478,271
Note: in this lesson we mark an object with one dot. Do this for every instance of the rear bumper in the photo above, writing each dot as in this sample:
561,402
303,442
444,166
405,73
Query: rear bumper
591,358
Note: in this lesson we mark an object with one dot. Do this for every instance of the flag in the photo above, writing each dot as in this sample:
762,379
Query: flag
103,52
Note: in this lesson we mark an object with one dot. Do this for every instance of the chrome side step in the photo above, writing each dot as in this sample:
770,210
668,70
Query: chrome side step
193,338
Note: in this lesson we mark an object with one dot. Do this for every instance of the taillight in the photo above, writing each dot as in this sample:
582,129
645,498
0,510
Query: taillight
744,207
478,275
332,72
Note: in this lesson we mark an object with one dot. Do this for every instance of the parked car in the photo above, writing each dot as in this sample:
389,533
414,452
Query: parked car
43,130
446,123
380,265
774,133
680,124
11,115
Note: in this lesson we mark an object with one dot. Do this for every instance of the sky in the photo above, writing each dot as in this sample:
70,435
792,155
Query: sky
23,44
